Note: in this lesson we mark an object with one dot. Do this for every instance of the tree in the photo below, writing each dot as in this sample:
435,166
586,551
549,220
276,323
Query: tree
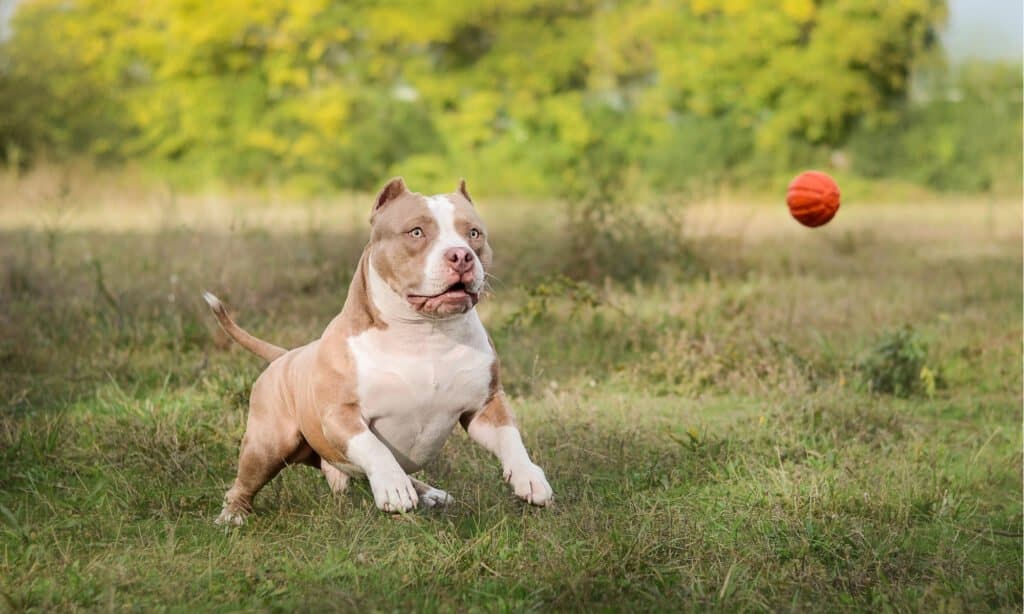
511,92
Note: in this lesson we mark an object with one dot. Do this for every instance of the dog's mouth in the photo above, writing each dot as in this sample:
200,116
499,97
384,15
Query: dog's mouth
456,292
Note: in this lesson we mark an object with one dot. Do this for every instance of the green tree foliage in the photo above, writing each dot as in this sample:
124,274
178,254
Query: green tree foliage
963,132
52,95
515,93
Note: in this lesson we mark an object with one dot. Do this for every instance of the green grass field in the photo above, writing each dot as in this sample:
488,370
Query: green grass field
703,395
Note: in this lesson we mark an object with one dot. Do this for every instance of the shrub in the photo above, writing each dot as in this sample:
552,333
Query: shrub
897,365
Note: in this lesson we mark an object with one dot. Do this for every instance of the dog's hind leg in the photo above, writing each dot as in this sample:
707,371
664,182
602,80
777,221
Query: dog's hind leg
257,465
430,496
336,478
271,441
259,461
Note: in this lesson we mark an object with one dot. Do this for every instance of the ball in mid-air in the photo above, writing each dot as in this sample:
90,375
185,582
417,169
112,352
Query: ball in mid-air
813,198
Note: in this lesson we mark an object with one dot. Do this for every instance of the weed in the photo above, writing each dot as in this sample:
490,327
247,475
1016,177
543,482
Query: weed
897,365
578,294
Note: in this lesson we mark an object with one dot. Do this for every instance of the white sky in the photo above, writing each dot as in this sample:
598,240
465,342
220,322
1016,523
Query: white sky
991,29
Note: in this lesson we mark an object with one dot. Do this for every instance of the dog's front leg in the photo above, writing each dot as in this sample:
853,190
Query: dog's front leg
346,430
494,428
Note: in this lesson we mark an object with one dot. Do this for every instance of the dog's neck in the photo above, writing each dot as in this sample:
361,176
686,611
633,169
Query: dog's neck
396,313
394,309
372,304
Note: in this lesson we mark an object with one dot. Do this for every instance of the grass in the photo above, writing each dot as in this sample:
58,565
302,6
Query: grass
697,396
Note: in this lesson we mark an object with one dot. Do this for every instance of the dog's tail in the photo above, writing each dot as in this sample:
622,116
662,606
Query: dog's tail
267,351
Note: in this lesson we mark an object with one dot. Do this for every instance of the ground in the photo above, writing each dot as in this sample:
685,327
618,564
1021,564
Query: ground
711,399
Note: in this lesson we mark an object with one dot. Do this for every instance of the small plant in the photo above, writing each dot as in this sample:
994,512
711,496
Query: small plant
580,295
896,365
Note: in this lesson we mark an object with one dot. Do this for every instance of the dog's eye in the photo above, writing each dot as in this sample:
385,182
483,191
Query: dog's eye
416,233
474,233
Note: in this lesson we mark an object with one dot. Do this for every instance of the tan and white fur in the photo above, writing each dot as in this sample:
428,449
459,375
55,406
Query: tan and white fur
378,394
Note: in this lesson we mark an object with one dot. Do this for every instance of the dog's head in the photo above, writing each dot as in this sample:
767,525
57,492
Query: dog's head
431,250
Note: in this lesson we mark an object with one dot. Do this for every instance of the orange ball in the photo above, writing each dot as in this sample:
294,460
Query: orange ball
813,198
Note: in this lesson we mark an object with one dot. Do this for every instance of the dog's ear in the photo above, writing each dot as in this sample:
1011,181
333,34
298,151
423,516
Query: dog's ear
463,190
394,189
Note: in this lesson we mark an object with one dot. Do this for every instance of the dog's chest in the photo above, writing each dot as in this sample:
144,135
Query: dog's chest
413,387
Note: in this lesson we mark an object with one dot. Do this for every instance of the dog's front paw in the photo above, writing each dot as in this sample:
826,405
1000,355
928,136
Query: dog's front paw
393,492
529,483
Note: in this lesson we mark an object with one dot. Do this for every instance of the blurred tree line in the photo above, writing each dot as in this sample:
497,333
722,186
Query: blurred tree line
524,96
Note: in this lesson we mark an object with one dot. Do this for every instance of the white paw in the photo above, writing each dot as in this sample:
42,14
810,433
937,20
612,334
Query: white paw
393,492
230,518
529,483
435,497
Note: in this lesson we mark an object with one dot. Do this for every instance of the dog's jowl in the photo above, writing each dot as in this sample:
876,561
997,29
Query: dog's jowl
407,358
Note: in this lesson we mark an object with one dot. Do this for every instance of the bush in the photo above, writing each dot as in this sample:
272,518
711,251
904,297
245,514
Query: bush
897,365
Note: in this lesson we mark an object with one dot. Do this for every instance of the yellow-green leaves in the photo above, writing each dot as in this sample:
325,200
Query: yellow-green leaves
271,88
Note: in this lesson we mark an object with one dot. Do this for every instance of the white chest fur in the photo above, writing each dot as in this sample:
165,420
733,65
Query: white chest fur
415,380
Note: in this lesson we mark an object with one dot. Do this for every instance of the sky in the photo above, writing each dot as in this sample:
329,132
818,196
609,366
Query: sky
988,29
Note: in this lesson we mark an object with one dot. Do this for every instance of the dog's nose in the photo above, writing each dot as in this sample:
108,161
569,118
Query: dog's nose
460,258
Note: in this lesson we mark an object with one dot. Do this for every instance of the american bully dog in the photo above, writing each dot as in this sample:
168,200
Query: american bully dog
407,358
